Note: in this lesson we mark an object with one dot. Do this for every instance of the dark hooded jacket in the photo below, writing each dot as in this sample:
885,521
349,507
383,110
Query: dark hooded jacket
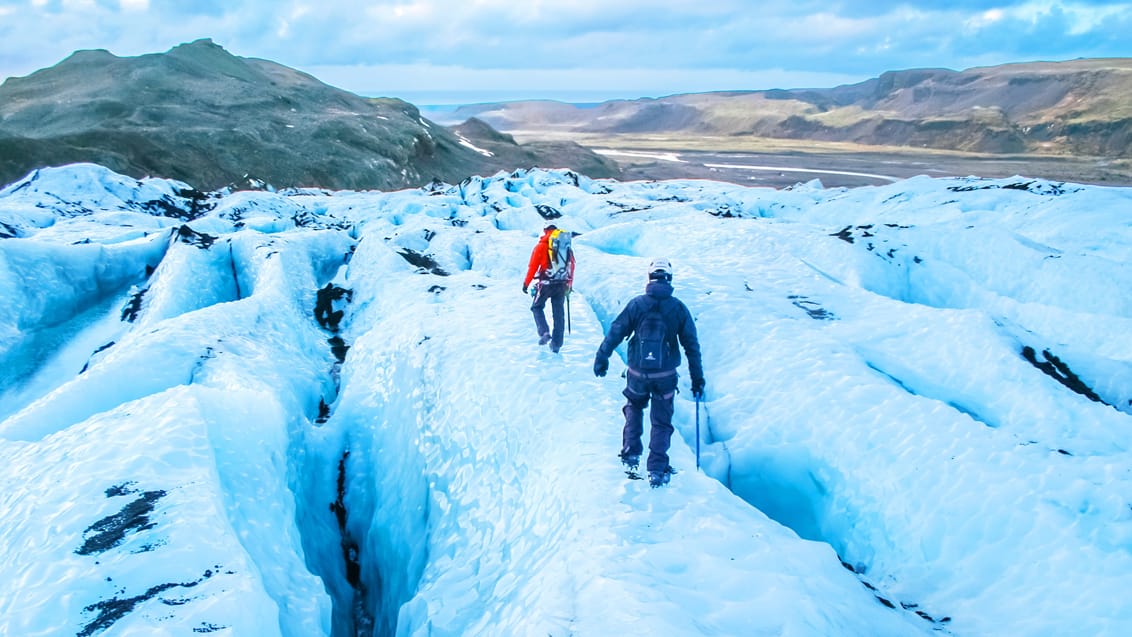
681,328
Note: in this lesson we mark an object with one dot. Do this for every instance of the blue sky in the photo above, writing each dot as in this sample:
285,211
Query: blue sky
436,51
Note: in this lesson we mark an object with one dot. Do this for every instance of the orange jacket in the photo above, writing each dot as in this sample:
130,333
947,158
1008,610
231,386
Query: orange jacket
540,261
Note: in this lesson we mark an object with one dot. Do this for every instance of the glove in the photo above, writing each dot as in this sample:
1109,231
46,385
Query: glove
524,289
601,365
698,388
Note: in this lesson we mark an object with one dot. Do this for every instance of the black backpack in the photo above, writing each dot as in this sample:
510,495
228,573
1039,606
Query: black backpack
652,340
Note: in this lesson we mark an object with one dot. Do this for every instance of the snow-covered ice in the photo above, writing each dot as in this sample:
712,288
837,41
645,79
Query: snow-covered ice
308,413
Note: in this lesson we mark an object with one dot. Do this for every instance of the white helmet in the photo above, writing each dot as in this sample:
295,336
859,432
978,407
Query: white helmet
660,269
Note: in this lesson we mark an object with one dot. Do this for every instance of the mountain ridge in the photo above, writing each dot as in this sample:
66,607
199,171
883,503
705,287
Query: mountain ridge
202,115
1075,107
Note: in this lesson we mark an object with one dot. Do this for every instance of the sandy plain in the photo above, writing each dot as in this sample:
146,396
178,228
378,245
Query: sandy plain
781,163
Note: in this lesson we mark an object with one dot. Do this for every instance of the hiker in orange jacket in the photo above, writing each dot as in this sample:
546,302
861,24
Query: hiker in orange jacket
551,267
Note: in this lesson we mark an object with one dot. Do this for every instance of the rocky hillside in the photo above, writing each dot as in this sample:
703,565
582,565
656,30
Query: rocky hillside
201,115
534,153
1080,107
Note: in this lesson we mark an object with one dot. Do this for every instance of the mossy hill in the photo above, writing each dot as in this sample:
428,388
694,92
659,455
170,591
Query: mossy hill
204,116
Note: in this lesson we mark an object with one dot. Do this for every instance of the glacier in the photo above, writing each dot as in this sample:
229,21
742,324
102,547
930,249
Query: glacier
311,412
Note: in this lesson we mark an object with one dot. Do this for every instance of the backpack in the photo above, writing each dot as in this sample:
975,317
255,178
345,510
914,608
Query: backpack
558,247
652,340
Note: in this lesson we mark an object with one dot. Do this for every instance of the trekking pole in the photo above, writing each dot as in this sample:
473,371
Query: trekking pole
697,433
568,328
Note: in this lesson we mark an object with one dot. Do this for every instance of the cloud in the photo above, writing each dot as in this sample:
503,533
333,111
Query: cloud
1053,33
850,38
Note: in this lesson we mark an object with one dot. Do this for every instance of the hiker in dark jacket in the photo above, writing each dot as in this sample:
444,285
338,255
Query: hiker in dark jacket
652,377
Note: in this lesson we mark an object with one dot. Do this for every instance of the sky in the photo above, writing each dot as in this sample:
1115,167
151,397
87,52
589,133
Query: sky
451,51
916,418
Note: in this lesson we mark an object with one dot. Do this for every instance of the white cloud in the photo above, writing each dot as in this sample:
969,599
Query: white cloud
296,14
824,28
407,11
984,19
846,39
1084,18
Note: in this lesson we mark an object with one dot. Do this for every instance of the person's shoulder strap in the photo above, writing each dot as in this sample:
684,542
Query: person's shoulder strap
658,306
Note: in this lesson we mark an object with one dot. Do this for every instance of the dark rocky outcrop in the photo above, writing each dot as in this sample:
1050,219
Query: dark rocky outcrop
544,154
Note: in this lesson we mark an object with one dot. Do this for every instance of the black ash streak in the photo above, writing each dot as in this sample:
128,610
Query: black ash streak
1056,369
424,261
112,530
324,311
111,610
187,235
362,620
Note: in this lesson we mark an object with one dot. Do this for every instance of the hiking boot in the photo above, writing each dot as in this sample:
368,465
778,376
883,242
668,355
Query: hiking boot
543,339
630,461
658,478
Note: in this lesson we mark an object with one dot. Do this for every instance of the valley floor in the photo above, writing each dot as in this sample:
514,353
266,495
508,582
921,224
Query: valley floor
780,163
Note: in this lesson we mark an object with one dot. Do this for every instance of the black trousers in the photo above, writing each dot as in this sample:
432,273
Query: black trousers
641,389
555,292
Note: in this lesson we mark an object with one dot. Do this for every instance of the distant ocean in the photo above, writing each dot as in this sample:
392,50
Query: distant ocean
438,100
